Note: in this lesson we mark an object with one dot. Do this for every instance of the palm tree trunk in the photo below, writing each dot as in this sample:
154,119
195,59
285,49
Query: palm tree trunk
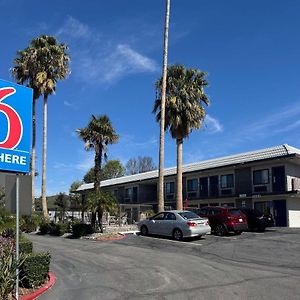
93,220
162,119
82,209
100,215
179,143
97,168
44,200
98,163
32,162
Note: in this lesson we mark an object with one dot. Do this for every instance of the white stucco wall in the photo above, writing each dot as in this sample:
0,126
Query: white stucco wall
293,212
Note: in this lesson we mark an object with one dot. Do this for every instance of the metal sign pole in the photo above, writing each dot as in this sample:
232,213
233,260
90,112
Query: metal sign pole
17,236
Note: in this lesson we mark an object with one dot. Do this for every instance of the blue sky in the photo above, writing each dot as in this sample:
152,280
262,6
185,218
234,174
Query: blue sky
250,50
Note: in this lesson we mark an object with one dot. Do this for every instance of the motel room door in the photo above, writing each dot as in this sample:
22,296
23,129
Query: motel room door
279,211
278,179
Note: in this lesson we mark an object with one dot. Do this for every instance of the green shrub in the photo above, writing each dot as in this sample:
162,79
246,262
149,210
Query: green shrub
7,224
8,265
30,223
35,269
6,217
9,232
81,229
58,229
45,227
25,245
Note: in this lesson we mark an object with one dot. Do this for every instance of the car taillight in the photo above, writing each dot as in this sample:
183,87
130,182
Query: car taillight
191,224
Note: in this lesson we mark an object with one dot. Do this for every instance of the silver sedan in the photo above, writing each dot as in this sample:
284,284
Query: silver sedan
178,224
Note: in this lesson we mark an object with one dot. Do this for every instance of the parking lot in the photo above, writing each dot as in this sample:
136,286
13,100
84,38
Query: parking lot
250,266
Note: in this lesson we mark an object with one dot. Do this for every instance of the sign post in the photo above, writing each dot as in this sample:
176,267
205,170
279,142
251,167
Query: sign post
15,139
17,236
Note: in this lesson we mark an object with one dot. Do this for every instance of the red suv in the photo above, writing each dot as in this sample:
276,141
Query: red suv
224,219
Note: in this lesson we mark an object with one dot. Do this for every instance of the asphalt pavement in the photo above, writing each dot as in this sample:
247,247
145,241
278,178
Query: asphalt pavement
249,266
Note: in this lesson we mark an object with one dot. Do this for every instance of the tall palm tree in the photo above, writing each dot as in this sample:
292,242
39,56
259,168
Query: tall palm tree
25,71
162,119
185,97
97,135
40,66
52,61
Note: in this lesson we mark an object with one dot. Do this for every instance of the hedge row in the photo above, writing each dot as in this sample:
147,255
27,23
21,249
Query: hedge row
81,229
25,245
34,271
54,228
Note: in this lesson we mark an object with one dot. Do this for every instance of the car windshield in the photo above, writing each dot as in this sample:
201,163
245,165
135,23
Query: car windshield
188,215
235,212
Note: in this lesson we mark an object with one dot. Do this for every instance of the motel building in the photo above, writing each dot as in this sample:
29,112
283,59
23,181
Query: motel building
267,179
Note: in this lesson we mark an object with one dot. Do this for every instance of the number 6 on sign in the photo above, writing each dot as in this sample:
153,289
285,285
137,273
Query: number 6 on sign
14,126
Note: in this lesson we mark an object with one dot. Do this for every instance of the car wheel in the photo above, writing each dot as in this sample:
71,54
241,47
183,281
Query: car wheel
144,230
177,234
220,230
237,232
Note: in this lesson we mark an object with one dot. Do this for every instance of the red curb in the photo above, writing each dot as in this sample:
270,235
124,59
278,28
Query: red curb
41,290
111,239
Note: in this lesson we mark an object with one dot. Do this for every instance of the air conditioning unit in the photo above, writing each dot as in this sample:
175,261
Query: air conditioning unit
260,188
225,192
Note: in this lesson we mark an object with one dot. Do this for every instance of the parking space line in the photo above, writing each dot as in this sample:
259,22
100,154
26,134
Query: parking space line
172,241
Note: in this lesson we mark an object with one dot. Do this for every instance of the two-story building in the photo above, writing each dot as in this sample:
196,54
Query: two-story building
267,179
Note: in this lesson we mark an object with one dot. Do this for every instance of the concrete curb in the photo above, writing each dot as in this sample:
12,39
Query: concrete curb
128,232
41,290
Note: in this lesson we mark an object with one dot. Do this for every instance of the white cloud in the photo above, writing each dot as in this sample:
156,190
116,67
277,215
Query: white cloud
213,125
99,59
69,104
74,28
135,59
85,164
285,120
129,140
122,60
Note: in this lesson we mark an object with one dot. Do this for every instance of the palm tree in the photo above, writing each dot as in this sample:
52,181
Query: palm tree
185,97
24,72
98,202
63,202
40,66
162,119
97,135
53,65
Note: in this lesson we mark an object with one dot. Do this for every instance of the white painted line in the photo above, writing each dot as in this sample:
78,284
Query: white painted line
172,241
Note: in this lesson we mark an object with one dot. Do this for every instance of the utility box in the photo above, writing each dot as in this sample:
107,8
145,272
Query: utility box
25,194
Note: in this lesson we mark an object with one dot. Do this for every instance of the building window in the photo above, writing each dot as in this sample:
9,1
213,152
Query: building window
261,176
115,194
170,188
227,181
131,194
192,185
128,193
